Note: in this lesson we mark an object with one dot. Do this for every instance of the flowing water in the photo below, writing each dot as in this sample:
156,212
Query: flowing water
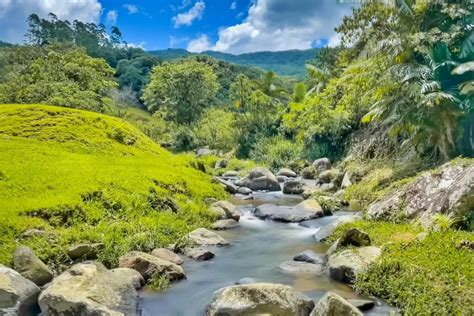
257,248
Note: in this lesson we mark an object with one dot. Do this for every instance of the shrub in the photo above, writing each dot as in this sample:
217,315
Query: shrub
275,152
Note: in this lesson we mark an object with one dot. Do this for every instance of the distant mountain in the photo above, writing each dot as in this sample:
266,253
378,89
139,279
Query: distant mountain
285,63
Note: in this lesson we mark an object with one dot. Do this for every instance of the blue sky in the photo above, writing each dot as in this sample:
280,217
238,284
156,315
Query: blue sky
234,26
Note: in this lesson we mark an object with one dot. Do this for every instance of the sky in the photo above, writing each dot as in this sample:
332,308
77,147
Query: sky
231,26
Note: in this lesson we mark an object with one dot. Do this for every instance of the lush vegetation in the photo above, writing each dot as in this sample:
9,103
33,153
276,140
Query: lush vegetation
424,275
86,177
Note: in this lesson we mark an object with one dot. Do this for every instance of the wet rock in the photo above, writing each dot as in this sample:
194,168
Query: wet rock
259,298
310,257
218,211
230,210
85,251
322,164
449,191
286,173
326,187
326,231
303,211
299,267
90,289
354,237
204,237
293,187
134,277
363,305
228,186
334,247
345,265
18,295
149,265
260,179
224,224
327,176
168,255
220,164
333,304
346,181
199,254
245,281
230,174
244,191
31,267
281,179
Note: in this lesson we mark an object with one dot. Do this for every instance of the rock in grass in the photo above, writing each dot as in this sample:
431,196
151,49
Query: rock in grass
310,257
85,251
345,265
224,224
31,267
327,230
18,295
299,267
149,265
354,237
91,289
230,210
218,211
322,164
167,254
199,254
333,304
259,299
230,174
204,237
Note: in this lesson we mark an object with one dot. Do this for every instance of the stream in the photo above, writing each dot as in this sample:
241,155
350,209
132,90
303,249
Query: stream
256,250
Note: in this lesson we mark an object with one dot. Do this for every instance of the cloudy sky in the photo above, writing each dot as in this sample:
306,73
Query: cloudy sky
233,26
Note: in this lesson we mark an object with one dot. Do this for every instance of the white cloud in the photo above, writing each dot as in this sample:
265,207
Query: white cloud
177,41
233,5
200,44
131,8
112,16
273,25
139,45
187,18
13,14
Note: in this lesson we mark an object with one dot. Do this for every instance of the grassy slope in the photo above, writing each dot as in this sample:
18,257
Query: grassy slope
83,176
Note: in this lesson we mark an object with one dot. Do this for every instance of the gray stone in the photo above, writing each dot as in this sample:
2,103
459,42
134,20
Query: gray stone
325,187
204,237
224,224
220,164
326,231
448,190
260,179
31,267
18,295
363,305
218,211
259,299
149,265
90,289
333,304
354,237
205,152
245,281
322,164
299,267
85,251
228,186
345,265
244,191
199,254
286,173
293,187
230,210
303,211
281,179
230,174
310,257
309,173
168,255
346,181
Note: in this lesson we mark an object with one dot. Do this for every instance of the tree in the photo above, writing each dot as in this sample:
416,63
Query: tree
181,90
58,75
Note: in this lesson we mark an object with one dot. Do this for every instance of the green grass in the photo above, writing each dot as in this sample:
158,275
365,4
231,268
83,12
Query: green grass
83,176
428,277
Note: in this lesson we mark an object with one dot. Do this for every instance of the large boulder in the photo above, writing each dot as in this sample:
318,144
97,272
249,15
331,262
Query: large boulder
168,255
85,251
224,224
18,295
345,265
149,265
91,289
322,164
303,211
299,267
325,231
199,254
293,187
310,257
230,210
449,190
346,181
244,191
259,299
204,237
333,304
260,179
354,237
31,267
286,173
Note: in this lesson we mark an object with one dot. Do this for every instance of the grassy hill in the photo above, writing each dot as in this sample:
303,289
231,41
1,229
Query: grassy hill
285,63
86,177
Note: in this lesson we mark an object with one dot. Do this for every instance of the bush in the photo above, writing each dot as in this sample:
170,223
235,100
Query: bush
216,129
275,152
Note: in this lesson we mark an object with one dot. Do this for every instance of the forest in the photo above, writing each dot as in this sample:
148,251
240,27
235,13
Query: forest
103,144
